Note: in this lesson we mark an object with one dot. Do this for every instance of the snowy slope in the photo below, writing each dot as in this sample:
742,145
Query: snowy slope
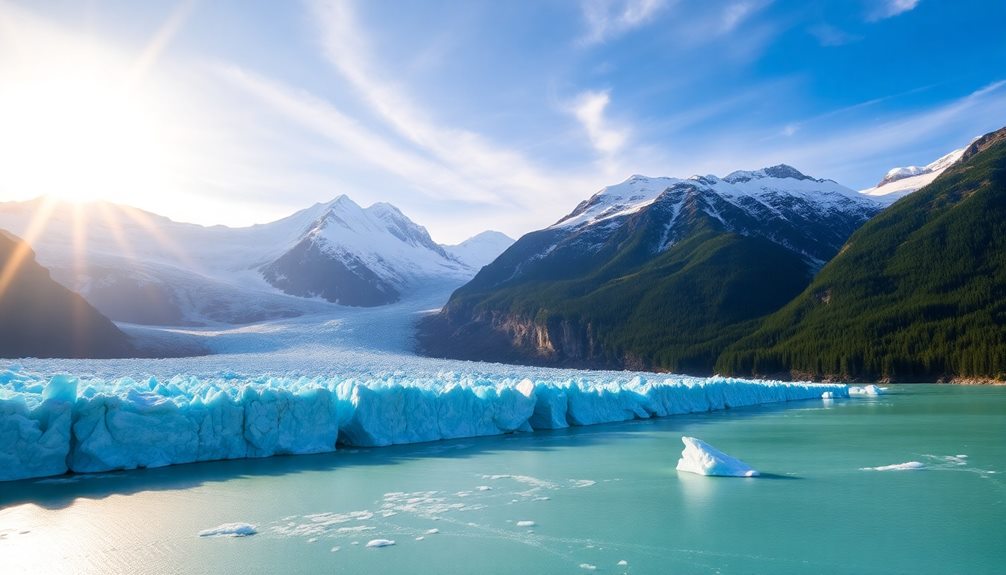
899,182
139,267
480,249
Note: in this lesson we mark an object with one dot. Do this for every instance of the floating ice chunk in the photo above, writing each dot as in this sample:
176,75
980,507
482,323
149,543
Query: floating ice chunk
867,390
703,459
229,530
828,395
525,524
907,466
483,488
578,483
335,549
374,543
588,567
623,563
420,538
432,531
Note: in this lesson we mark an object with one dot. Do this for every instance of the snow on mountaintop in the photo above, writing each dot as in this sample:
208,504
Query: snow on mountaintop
385,240
637,192
480,249
899,182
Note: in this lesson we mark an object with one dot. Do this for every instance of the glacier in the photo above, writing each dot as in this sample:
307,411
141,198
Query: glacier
90,425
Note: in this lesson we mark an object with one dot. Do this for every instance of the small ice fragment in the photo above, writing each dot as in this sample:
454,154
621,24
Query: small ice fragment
703,459
432,531
483,488
867,390
623,563
374,543
420,538
582,482
355,543
525,524
312,540
588,567
229,530
336,549
908,465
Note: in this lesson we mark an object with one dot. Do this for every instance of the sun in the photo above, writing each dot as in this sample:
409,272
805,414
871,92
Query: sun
78,123
76,136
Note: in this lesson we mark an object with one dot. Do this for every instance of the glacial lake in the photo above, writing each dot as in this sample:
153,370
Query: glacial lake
570,501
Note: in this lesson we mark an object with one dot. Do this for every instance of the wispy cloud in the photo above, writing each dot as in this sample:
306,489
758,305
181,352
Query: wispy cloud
847,153
884,9
606,138
607,19
829,35
737,12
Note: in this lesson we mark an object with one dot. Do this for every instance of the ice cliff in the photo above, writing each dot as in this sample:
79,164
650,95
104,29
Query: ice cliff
49,426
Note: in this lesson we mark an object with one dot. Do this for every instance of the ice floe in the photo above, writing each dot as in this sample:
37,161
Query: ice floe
229,530
373,543
906,466
867,390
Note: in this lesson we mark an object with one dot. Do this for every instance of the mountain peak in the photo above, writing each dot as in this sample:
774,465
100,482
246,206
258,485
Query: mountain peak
781,171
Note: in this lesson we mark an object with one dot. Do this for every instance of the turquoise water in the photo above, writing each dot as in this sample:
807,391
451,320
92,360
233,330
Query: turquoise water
596,496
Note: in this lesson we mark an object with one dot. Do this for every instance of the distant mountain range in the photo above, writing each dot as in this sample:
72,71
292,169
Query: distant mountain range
138,267
667,273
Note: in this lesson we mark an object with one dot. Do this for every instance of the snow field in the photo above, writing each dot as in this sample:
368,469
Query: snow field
68,424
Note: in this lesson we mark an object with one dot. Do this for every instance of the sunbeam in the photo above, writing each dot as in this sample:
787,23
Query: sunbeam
39,221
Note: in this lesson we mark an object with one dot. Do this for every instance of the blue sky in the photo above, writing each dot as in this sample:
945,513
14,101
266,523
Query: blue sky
496,115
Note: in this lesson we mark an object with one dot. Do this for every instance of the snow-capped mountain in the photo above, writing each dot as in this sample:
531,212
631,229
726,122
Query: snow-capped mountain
358,256
480,249
811,216
651,272
139,267
899,182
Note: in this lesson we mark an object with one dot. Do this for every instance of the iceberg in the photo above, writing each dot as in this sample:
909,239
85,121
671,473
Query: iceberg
52,425
703,459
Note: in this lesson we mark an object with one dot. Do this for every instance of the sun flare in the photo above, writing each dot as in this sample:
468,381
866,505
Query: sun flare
77,137
79,123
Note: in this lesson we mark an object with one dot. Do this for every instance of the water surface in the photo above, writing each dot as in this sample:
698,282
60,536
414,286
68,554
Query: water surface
596,496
